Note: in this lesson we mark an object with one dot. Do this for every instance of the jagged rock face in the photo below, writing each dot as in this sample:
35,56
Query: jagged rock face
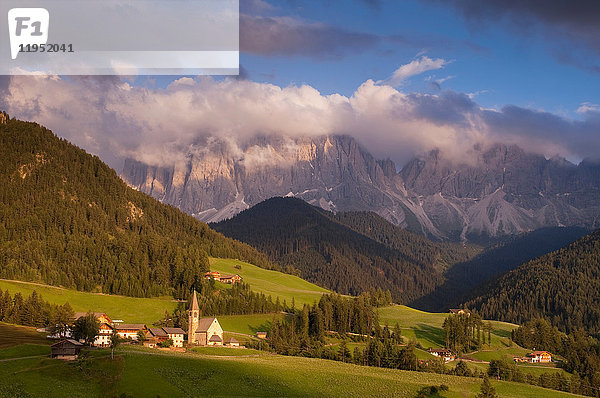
503,191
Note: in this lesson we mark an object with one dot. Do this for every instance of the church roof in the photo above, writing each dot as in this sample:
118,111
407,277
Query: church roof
194,306
204,324
215,337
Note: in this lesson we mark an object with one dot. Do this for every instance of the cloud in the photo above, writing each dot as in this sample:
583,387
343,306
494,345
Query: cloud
275,36
415,67
586,107
115,120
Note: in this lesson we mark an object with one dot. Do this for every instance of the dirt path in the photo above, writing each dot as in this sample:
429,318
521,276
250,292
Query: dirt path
16,359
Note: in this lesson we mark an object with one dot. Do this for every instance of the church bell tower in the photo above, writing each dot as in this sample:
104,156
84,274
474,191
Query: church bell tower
193,319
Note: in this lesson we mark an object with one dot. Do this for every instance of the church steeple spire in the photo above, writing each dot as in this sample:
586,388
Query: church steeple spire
194,306
193,319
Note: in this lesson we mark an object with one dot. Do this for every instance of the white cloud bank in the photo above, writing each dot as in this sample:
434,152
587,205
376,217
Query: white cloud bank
114,119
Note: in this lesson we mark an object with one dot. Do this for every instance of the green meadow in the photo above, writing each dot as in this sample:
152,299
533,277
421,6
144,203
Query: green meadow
271,283
128,309
147,373
426,327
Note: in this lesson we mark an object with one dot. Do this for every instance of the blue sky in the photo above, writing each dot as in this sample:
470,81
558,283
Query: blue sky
491,57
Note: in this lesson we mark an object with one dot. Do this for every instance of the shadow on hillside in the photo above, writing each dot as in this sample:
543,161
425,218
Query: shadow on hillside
264,327
429,333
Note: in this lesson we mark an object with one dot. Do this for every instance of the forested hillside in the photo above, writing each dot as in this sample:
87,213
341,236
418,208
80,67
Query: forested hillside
349,253
67,219
463,280
562,286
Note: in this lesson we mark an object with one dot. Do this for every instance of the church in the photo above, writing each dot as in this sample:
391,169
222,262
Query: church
203,331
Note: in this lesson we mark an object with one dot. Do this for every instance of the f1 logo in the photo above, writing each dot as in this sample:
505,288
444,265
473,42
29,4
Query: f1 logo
27,26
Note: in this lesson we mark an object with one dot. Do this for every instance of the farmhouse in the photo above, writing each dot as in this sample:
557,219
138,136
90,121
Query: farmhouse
225,278
104,333
176,335
203,331
232,343
446,355
67,349
261,335
129,330
540,357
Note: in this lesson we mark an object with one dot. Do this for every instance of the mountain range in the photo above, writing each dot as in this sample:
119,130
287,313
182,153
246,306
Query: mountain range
497,191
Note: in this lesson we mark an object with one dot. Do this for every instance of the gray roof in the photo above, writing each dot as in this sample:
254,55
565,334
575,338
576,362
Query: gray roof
130,326
174,330
71,341
233,340
158,332
204,324
215,337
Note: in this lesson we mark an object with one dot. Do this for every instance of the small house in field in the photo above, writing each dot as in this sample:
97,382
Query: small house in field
224,278
103,337
176,335
443,353
540,357
67,349
261,335
232,342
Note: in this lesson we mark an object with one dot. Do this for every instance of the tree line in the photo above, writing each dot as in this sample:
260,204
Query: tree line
34,311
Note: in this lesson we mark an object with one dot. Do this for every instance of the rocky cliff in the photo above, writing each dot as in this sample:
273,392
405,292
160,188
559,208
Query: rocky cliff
502,190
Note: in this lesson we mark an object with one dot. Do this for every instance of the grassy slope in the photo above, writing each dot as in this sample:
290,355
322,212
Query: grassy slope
426,327
129,309
273,283
11,335
145,373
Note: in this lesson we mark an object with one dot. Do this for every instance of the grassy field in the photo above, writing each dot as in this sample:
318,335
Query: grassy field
227,351
271,283
248,324
129,309
11,335
147,373
426,327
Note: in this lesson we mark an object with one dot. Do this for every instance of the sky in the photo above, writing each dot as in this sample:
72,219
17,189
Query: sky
403,77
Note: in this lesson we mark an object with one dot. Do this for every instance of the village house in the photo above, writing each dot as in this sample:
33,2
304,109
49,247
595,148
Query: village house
203,331
67,349
176,335
129,330
103,337
443,353
155,336
224,278
540,357
232,342
261,335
